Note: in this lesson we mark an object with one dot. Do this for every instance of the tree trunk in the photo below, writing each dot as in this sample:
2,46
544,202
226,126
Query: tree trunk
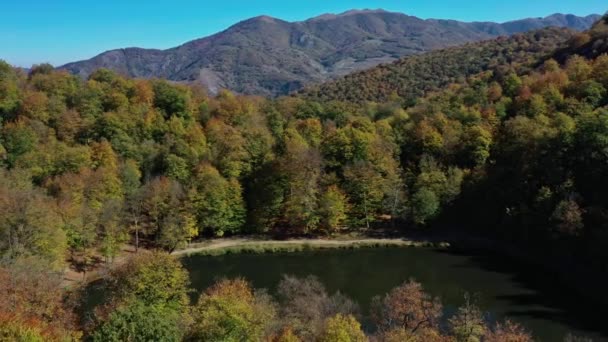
365,209
394,211
136,238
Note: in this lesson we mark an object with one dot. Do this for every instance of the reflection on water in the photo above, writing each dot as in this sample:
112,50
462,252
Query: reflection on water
503,288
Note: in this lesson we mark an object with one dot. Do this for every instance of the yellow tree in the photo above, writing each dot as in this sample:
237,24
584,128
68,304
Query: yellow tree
333,207
231,311
342,328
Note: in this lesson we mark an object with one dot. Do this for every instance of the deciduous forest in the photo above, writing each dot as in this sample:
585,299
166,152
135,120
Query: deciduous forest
514,148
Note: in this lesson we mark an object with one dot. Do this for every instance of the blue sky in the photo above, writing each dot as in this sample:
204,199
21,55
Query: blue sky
61,31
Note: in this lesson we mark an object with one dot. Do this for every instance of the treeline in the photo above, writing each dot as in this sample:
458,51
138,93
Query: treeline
88,165
147,299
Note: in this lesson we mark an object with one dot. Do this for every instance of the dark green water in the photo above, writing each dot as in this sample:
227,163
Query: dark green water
503,287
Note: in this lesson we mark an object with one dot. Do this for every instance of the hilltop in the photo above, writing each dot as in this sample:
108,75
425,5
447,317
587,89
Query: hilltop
270,56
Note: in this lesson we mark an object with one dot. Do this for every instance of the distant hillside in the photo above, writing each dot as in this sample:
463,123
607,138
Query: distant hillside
412,77
590,44
268,56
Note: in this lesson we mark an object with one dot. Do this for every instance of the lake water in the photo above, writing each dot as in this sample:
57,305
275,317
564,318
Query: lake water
503,288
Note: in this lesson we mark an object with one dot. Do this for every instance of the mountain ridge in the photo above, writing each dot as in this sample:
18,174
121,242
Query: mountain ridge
270,56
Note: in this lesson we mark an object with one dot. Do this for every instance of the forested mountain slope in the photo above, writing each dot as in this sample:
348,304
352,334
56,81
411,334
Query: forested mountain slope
269,56
412,77
589,44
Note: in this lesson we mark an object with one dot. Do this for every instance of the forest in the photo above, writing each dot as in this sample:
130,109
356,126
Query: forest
517,153
412,77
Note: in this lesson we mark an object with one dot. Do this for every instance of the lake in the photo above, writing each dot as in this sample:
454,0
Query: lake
502,287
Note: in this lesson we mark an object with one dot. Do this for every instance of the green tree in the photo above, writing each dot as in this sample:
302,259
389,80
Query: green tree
366,190
102,185
130,176
9,92
342,328
477,145
468,325
301,165
600,70
177,168
112,232
592,92
217,202
152,279
138,322
512,85
171,99
578,69
168,215
227,149
178,228
18,139
425,206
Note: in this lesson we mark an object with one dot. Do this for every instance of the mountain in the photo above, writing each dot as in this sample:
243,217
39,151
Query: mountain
412,77
589,44
269,56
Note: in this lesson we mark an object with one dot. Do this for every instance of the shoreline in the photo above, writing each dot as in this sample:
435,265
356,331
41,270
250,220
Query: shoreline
217,247
256,245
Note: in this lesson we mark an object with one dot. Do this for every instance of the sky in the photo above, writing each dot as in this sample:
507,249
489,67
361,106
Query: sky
62,31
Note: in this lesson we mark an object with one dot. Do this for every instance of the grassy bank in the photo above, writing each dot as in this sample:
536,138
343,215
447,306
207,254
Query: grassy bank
255,245
236,246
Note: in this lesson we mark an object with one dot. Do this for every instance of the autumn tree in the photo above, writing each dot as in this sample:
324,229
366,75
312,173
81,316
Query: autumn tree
568,217
468,325
134,214
408,307
342,328
366,189
9,91
29,223
231,311
167,213
216,201
33,302
227,149
508,332
152,279
305,305
301,165
333,208
12,329
112,232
